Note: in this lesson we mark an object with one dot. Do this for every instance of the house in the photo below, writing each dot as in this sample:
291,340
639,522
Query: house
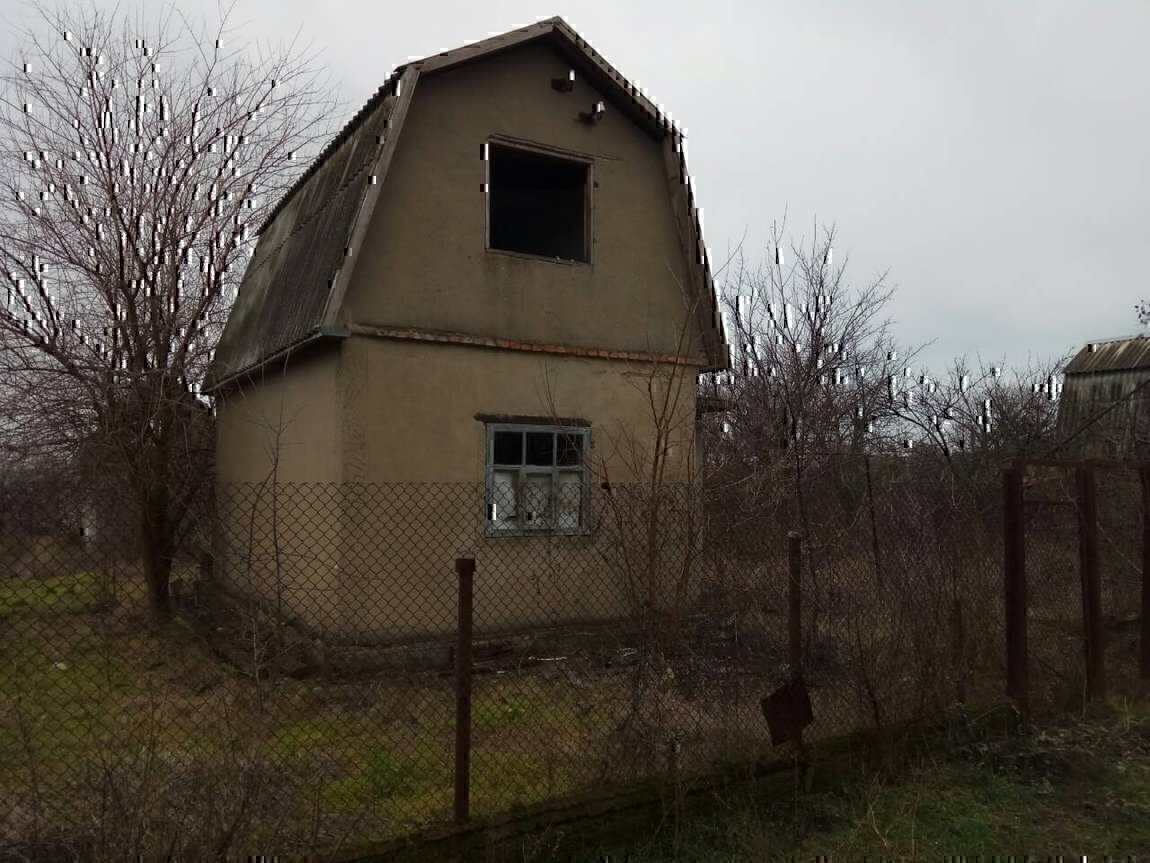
447,336
1104,409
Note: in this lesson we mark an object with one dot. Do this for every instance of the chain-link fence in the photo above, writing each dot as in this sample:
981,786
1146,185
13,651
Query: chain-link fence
303,695
1056,518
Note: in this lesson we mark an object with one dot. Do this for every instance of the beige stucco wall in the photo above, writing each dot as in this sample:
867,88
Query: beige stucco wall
409,408
291,562
424,262
291,411
381,486
409,412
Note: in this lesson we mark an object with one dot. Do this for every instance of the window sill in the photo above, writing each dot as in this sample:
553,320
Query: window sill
524,256
490,533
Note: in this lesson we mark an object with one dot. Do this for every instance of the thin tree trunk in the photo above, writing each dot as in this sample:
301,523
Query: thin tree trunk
156,553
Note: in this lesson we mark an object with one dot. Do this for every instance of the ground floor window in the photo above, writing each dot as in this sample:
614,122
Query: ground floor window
536,478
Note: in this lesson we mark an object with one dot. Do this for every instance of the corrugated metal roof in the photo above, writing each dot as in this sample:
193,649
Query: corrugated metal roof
289,279
1111,355
285,293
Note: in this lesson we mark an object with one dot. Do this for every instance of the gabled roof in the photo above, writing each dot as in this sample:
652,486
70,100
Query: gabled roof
1111,355
293,287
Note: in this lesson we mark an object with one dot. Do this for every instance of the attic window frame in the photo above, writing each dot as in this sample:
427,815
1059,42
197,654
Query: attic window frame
559,155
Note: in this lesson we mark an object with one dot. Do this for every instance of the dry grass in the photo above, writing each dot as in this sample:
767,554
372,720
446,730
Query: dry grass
104,721
121,737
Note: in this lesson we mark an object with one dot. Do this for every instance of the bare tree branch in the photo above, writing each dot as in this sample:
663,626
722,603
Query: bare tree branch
139,155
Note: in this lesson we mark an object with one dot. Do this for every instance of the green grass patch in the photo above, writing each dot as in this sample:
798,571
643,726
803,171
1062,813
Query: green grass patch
408,785
1081,786
493,714
305,735
61,594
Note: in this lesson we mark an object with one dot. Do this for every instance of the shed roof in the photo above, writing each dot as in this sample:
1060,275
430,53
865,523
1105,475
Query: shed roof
293,286
1111,355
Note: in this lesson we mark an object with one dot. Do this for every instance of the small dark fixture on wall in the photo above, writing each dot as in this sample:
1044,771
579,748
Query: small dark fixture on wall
564,85
594,115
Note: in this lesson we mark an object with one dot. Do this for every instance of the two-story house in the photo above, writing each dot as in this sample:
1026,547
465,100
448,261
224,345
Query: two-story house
468,289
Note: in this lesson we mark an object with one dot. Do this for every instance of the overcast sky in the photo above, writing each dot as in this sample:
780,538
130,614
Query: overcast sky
991,156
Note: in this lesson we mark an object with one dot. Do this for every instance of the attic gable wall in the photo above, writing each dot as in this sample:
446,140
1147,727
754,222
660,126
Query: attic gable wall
423,263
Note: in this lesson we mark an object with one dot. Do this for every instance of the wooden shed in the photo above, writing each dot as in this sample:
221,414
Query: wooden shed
1104,410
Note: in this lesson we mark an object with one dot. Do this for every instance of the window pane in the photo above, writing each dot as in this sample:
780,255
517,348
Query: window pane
569,501
501,507
570,449
509,447
541,448
536,501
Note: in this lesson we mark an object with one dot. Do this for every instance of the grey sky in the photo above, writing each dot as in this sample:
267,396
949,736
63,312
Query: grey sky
992,156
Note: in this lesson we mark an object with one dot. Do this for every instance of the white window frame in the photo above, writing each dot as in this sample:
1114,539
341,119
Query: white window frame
524,525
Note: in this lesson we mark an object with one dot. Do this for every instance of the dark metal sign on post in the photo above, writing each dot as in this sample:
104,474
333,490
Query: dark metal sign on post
788,711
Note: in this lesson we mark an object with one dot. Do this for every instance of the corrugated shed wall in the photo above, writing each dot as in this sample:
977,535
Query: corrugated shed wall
1102,407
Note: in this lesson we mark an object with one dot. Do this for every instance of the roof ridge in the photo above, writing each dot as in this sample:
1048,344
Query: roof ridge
1113,339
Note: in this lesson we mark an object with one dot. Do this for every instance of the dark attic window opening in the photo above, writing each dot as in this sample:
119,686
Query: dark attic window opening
537,204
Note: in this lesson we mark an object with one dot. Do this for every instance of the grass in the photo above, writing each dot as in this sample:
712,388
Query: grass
87,694
1079,788
502,712
62,594
371,759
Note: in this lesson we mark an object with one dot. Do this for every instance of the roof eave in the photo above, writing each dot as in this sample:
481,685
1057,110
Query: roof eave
324,334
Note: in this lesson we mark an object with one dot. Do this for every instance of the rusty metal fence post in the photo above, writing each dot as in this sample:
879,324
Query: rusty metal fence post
465,569
1095,645
1144,659
795,605
788,709
1014,571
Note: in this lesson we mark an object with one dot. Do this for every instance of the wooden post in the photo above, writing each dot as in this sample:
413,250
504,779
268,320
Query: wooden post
1014,570
795,605
1144,664
465,569
1091,583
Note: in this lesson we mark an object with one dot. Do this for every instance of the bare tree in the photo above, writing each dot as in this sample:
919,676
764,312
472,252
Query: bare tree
138,159
976,416
811,359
